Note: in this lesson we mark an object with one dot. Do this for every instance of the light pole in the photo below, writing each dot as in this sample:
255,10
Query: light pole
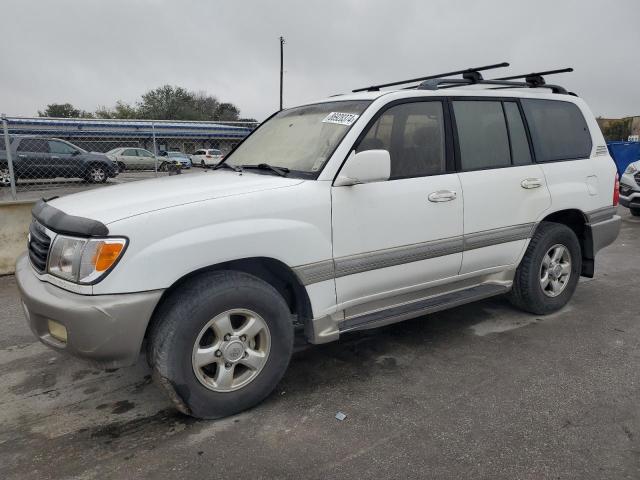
281,67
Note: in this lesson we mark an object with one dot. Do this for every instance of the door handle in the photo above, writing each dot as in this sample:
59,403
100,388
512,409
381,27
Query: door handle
529,183
22,156
442,196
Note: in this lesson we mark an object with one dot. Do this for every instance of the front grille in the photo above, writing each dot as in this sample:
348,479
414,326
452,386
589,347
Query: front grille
39,243
625,189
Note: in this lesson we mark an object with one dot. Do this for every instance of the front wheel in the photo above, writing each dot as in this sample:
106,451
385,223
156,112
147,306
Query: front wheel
549,272
635,212
96,174
218,351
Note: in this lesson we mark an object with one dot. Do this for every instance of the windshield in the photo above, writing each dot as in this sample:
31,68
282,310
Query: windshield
301,138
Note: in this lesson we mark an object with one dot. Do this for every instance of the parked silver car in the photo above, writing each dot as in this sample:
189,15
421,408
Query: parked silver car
129,158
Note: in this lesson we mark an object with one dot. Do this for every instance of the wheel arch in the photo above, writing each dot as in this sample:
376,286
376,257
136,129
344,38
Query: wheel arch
274,272
577,221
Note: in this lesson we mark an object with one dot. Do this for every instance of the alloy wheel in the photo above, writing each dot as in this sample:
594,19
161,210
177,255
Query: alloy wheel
231,350
555,270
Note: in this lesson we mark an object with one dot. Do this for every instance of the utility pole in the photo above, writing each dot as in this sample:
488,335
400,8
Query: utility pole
281,67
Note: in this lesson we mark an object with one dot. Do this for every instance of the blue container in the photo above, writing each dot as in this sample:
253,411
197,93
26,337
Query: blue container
624,153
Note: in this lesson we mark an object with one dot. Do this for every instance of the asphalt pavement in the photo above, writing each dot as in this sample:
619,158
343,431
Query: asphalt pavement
480,391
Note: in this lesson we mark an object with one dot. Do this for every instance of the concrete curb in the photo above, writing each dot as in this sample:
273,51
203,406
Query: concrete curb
15,218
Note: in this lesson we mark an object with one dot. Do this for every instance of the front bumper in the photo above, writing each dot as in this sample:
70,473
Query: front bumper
106,329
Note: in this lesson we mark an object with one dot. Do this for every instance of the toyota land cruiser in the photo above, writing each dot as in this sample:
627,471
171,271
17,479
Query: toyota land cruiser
339,215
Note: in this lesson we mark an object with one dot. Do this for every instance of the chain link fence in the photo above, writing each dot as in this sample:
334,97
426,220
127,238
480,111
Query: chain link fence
47,157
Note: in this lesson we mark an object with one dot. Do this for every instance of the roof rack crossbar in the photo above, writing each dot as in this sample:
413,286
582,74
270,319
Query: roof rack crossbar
438,83
467,73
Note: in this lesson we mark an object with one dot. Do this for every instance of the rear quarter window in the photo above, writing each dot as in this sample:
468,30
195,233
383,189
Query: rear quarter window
558,130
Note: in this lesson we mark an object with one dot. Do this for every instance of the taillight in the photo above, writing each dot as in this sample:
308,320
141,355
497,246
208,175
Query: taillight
616,191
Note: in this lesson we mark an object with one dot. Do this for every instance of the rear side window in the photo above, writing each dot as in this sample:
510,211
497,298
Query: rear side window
520,152
413,134
482,134
131,152
558,130
34,145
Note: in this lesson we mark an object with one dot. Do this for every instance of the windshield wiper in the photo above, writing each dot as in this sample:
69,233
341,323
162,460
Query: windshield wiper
282,171
226,165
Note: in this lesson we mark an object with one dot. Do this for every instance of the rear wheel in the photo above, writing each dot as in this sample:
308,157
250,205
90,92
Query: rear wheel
635,212
219,351
121,166
5,177
549,272
202,164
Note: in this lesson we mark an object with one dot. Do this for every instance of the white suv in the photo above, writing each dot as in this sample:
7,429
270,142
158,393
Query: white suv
630,188
207,157
375,207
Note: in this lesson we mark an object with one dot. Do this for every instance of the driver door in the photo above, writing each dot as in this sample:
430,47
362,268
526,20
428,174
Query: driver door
394,237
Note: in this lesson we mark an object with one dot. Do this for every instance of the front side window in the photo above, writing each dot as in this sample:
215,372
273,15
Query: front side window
301,139
482,134
131,152
558,130
61,147
413,134
145,153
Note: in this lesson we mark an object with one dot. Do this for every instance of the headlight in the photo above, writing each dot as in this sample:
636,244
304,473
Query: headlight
84,260
631,169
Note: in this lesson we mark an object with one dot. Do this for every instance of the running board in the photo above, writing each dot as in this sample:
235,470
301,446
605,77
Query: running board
421,307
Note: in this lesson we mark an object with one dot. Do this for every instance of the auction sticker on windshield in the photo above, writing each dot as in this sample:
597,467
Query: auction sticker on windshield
341,118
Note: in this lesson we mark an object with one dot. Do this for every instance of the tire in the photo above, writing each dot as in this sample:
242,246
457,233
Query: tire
162,167
528,292
177,338
202,164
5,178
96,174
635,212
121,166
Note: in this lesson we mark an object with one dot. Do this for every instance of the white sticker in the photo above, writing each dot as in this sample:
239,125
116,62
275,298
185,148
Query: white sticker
341,118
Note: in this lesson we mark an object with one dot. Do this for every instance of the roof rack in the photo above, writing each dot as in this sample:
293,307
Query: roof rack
532,80
469,73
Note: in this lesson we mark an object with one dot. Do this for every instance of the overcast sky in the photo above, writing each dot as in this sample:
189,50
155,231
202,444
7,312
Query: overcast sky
95,52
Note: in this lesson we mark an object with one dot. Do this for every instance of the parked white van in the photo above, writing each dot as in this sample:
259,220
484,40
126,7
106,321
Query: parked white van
339,215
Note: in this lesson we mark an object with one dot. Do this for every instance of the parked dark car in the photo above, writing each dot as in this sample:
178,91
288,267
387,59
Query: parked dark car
40,157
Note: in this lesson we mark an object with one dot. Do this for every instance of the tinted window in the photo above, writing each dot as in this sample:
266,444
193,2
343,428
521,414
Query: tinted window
482,134
558,130
413,134
35,145
60,147
131,152
520,153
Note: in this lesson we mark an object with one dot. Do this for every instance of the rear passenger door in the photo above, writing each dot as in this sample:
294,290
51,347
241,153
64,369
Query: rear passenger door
505,193
33,158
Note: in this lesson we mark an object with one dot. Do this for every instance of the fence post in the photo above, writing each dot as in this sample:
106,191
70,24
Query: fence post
7,147
155,149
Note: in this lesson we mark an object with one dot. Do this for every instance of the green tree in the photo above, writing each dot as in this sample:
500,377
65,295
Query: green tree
63,110
617,129
121,110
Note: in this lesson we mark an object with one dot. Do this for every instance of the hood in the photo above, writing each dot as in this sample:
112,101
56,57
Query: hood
111,203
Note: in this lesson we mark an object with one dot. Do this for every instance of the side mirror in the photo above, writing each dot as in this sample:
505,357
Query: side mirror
75,152
365,167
